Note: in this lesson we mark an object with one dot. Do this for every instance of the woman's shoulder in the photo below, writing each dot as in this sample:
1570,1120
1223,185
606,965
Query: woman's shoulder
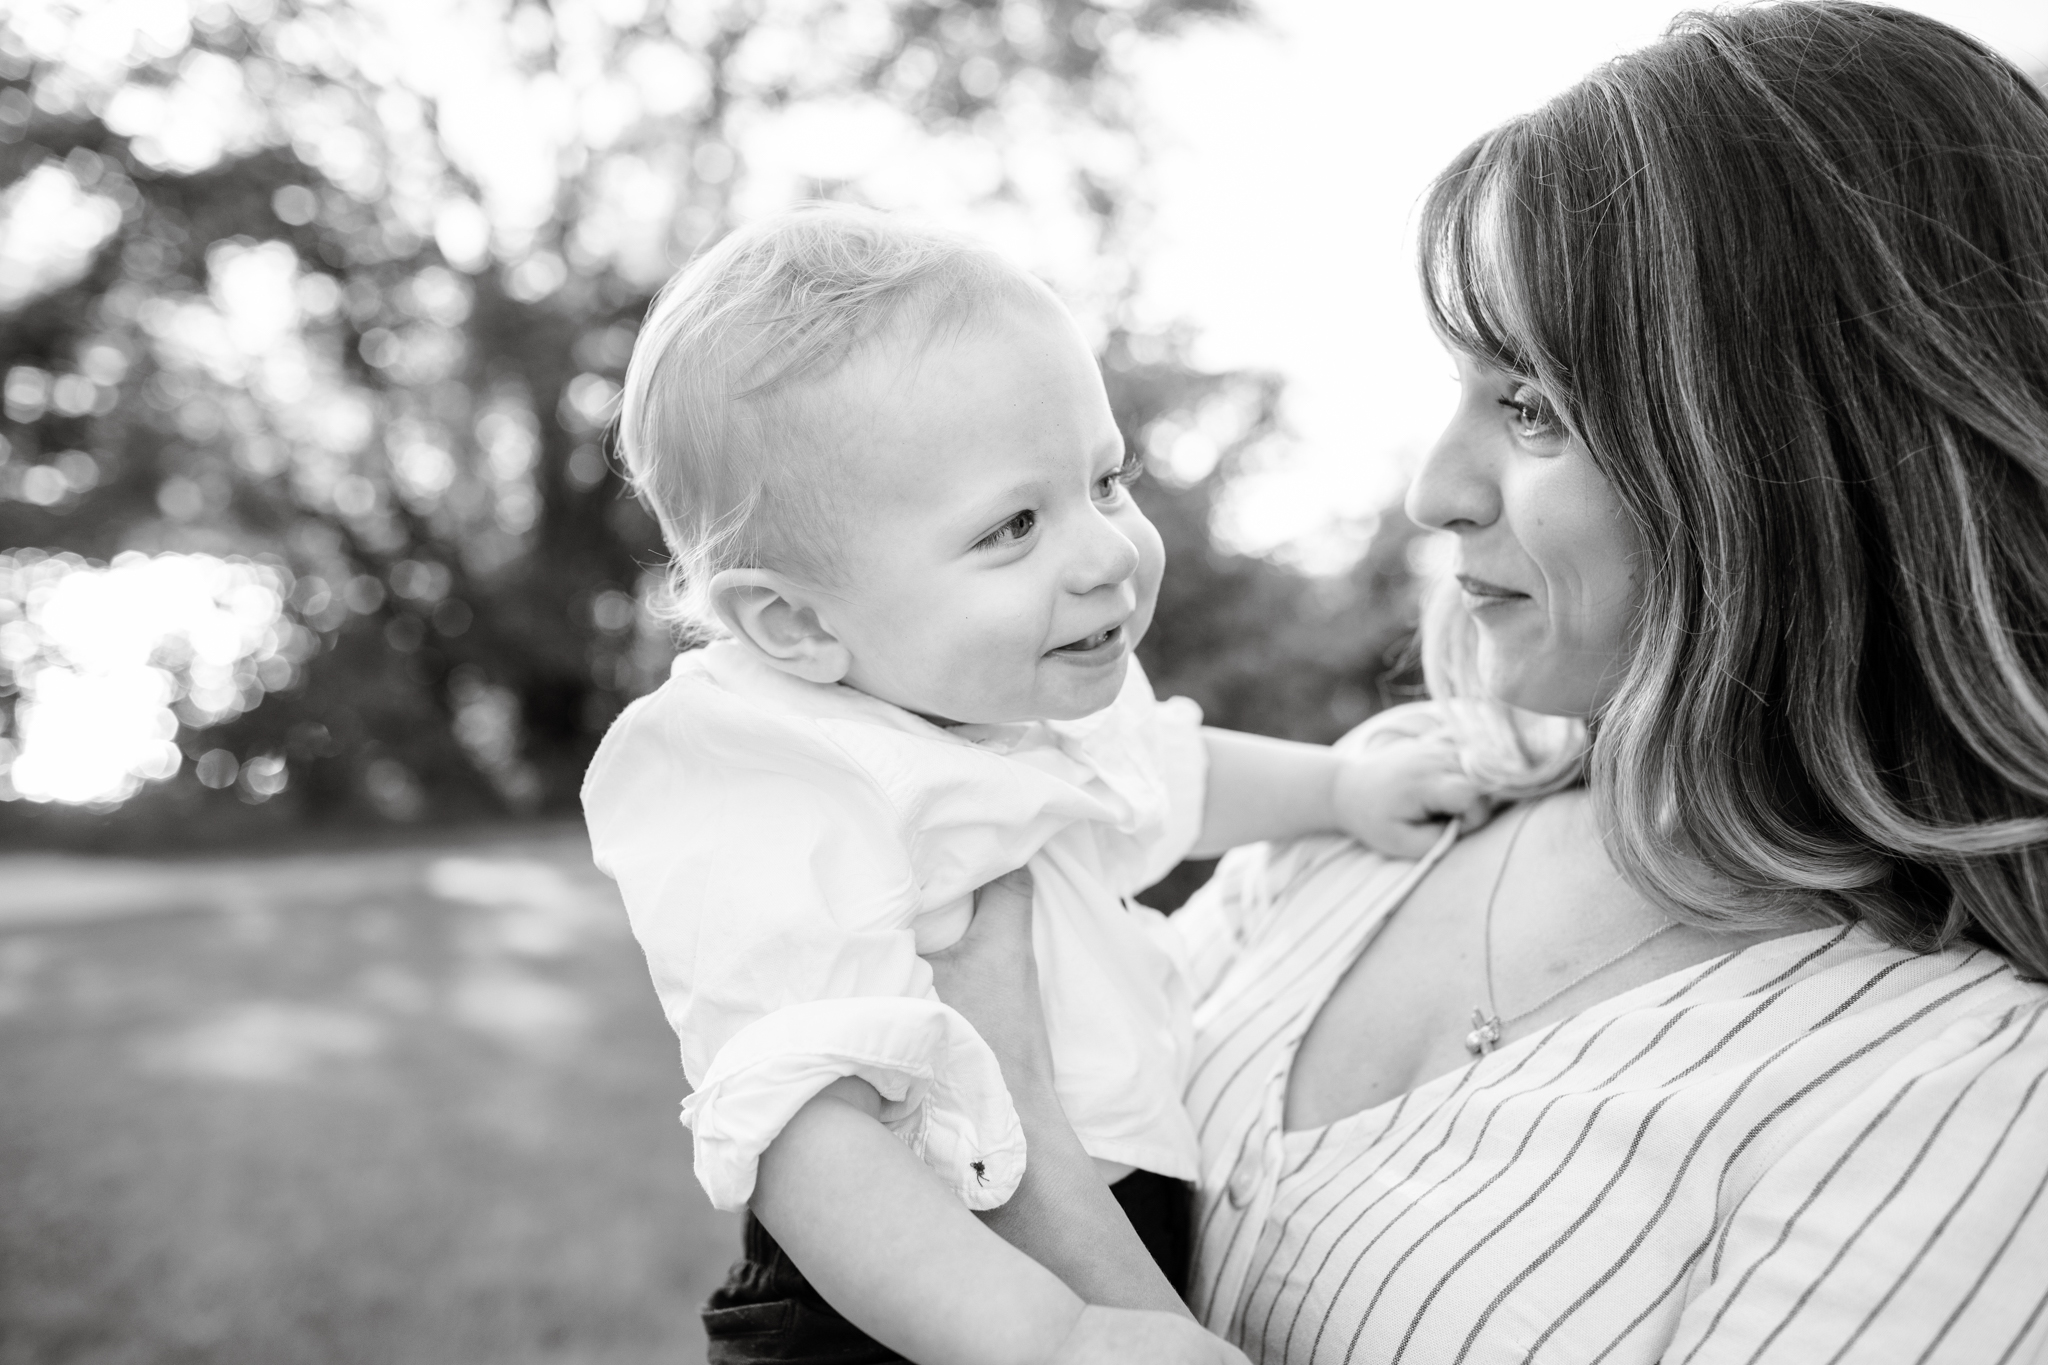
1839,992
1907,1160
1853,973
1807,1028
1962,1006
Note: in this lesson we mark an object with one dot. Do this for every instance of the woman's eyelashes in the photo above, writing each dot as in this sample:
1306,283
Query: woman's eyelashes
1535,418
1014,531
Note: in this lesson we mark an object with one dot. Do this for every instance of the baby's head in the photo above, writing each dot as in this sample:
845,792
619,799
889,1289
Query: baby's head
883,456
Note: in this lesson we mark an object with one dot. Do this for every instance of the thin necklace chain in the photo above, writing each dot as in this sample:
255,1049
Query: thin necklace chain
1487,1025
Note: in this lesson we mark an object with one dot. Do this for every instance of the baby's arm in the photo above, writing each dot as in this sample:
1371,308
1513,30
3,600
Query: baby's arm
1392,796
905,1261
894,1250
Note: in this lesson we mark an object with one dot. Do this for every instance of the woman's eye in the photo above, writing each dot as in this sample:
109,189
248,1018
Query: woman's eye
1535,418
1010,532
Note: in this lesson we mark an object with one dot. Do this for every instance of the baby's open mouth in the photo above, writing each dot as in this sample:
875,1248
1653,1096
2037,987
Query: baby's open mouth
1091,642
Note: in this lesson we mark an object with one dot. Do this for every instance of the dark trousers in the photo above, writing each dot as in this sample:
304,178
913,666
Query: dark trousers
767,1311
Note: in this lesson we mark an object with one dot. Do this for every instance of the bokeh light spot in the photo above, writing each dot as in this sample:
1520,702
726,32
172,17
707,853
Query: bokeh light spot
110,659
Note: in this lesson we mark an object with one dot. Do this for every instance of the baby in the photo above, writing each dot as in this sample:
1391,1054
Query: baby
887,469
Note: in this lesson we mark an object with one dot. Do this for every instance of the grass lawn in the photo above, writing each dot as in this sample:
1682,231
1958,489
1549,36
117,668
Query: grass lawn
409,1107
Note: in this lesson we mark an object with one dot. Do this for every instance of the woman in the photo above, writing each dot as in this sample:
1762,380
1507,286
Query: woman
1737,1050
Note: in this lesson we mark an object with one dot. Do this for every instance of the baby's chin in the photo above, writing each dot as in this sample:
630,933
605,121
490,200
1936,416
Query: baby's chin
1063,699
1098,693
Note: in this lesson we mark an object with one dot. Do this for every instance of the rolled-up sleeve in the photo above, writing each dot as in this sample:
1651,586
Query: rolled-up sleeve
768,885
941,1090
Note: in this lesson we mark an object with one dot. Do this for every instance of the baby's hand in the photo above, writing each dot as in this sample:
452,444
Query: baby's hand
1395,796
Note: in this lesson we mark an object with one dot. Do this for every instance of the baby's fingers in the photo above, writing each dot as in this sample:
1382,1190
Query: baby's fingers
1407,838
1459,798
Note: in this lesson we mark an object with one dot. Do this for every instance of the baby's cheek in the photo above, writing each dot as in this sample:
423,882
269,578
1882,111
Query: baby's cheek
1151,563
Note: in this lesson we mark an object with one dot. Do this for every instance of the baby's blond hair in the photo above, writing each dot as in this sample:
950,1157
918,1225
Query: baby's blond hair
713,423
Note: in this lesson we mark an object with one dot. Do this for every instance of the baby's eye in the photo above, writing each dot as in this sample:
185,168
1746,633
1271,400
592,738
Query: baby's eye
1122,477
1536,419
1017,528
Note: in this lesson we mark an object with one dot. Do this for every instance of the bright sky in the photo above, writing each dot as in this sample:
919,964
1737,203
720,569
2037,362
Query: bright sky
1296,160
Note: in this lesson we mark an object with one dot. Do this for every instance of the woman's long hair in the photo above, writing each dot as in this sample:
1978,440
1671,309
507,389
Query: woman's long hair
1785,273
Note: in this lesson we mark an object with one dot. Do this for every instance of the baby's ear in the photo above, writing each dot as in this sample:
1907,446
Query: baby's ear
766,612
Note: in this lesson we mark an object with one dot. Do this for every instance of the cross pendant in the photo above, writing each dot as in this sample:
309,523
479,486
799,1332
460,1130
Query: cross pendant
1485,1034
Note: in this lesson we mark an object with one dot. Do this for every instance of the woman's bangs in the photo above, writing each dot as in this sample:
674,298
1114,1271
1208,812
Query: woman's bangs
1495,272
1469,279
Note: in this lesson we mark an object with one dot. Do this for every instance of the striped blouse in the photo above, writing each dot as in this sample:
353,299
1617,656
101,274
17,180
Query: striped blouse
1816,1149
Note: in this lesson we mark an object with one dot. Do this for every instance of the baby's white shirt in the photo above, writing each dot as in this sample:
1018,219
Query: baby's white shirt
787,849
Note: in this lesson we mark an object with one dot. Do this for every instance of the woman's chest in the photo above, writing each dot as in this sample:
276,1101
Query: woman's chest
1565,1199
1393,1017
1571,1232
1476,939
1588,1192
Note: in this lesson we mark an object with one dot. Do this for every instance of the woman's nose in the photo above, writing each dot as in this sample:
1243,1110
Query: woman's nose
1456,488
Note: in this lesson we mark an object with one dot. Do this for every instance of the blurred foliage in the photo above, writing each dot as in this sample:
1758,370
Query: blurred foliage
345,291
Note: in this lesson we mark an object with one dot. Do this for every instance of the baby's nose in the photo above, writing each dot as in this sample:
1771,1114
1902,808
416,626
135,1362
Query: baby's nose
1108,557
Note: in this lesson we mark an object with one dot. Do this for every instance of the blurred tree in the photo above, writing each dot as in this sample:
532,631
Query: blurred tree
346,290
1258,644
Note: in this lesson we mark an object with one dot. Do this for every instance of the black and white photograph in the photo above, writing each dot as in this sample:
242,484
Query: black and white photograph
1023,682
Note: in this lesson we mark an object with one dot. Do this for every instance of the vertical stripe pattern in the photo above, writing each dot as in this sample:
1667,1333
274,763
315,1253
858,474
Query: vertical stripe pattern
1818,1149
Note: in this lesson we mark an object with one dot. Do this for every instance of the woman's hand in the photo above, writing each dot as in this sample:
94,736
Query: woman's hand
991,977
1062,1215
1124,1336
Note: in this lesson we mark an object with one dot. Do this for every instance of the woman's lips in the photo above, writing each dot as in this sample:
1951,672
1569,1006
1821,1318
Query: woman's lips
1480,592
